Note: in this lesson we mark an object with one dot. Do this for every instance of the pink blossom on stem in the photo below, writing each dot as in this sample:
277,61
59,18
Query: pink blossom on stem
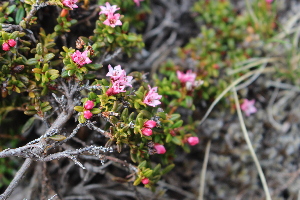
160,149
152,98
108,9
115,73
248,107
145,181
80,58
113,20
5,46
87,114
12,42
89,105
193,140
149,124
269,1
189,76
146,131
119,80
137,2
70,3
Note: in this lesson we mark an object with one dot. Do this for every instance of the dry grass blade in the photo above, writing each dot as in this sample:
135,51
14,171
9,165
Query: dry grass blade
203,171
242,78
246,136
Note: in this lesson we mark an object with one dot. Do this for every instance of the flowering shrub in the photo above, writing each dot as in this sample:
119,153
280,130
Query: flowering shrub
58,83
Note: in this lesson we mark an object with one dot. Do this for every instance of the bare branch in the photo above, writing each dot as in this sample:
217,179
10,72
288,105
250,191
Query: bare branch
16,179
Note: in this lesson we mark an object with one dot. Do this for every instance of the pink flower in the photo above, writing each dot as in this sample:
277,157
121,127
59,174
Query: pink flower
149,124
112,20
146,131
119,80
89,105
12,42
152,98
193,140
108,9
145,181
160,149
115,73
70,3
137,2
269,1
80,58
188,77
87,114
248,107
5,46
117,87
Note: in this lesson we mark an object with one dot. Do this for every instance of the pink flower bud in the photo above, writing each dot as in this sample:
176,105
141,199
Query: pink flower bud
172,132
5,47
145,181
12,42
87,114
111,91
146,131
160,149
150,124
89,105
193,140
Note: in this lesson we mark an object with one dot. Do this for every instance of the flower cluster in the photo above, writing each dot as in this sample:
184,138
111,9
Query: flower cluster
248,107
70,3
7,45
147,127
88,106
119,80
188,79
81,58
112,18
152,97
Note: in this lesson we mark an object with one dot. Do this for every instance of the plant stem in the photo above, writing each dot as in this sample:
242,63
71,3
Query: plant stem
252,152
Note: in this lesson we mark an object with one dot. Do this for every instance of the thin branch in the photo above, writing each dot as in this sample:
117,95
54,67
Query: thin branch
16,179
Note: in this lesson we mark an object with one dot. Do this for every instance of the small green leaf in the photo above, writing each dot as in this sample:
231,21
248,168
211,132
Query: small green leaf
48,57
78,108
28,124
39,49
47,108
110,38
175,117
142,164
58,137
167,169
176,140
137,181
81,119
125,26
19,15
177,124
95,111
10,9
